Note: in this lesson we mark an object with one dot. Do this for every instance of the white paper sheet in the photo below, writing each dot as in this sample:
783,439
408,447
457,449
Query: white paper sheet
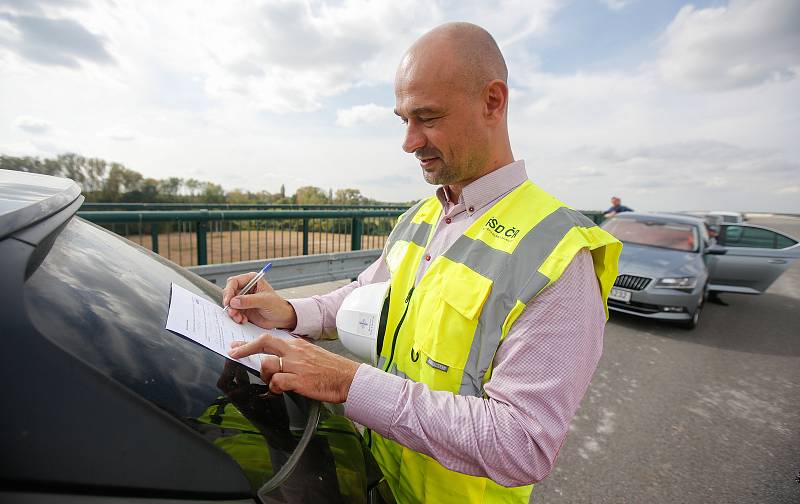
206,323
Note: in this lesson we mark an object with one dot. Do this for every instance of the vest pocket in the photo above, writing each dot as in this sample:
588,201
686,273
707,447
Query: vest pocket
450,306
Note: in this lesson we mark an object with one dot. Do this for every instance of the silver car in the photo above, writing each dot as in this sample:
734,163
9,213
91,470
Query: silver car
669,263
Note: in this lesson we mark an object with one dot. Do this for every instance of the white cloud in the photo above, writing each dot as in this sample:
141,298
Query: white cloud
49,147
743,44
291,56
716,182
278,57
122,134
617,4
658,147
363,114
33,125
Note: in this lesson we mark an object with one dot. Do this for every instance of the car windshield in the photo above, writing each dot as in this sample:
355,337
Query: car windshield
105,301
669,235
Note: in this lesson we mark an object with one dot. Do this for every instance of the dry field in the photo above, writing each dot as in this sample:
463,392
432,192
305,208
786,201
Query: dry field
232,246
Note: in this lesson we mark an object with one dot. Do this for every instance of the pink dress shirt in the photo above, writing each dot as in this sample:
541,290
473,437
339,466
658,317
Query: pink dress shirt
541,370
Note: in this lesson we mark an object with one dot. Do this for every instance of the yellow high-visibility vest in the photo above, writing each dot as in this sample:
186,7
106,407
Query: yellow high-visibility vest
445,330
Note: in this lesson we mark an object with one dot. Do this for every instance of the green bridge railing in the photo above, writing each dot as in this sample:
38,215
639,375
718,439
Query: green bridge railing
198,237
214,236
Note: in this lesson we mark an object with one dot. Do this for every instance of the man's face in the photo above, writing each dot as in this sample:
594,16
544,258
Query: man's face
615,201
442,123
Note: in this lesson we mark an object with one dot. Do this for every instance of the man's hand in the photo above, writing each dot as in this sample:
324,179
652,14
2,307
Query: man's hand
263,306
307,369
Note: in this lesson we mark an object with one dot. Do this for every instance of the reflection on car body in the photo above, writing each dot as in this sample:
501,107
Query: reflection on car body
670,263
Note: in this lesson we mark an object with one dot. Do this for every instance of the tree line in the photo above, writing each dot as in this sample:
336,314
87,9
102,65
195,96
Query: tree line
110,182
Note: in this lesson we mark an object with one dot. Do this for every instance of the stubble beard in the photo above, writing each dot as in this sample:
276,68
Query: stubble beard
449,174
445,175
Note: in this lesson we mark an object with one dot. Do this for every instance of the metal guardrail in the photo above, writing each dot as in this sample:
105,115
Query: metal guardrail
295,271
215,236
199,237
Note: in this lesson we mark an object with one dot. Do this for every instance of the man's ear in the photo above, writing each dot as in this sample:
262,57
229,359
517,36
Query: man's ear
495,101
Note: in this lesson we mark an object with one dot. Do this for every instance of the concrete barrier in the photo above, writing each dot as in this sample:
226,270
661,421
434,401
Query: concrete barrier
295,271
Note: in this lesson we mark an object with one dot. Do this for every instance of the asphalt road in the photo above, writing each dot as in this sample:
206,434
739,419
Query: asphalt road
710,415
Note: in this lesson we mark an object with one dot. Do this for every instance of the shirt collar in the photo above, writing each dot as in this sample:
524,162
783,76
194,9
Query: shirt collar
481,192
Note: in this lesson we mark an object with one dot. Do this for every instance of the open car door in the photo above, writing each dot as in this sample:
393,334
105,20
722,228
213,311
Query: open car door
755,257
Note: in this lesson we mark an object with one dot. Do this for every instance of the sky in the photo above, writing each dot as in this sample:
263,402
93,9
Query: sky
668,104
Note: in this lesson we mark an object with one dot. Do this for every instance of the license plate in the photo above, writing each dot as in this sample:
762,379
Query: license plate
620,295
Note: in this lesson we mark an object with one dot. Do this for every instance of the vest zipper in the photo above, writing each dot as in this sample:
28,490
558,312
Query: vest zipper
397,330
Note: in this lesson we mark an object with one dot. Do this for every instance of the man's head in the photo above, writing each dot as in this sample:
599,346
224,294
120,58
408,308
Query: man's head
615,201
451,92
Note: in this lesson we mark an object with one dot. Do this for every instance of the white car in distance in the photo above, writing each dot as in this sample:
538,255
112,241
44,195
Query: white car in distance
729,217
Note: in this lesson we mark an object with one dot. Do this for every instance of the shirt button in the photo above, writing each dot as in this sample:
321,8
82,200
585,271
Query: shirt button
471,209
427,257
448,220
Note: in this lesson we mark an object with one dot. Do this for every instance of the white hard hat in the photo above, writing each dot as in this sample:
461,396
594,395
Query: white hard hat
361,320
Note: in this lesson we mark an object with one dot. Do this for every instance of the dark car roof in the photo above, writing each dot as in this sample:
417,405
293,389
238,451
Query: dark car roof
661,217
26,198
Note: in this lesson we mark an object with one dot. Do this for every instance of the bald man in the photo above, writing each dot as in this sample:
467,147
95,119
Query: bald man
497,305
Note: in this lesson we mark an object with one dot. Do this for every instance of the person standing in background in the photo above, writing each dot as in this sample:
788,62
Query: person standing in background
616,208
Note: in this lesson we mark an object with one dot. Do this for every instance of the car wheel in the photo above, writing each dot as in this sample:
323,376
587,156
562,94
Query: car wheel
692,322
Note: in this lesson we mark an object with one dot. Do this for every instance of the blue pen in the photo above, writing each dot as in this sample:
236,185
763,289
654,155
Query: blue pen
252,282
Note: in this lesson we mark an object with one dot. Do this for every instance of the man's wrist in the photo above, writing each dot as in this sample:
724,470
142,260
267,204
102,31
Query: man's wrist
308,320
290,318
349,370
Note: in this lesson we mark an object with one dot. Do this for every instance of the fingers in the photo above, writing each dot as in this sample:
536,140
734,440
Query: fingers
279,381
258,300
282,382
237,316
270,365
265,343
234,284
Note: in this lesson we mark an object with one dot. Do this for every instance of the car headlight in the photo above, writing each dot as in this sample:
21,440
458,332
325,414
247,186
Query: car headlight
686,283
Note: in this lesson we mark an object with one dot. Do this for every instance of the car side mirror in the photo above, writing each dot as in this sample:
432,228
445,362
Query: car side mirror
716,250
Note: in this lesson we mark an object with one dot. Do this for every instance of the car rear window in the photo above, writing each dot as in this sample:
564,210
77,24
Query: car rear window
674,236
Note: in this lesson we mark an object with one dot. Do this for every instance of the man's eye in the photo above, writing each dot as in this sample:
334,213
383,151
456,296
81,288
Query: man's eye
428,121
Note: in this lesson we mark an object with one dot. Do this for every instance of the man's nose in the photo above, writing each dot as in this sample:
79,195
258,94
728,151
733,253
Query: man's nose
414,139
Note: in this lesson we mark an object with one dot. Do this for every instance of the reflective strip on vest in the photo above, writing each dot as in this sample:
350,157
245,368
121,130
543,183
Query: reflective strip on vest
407,230
411,232
512,281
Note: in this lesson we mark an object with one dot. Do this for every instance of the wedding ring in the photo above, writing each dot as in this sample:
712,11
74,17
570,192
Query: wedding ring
280,364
